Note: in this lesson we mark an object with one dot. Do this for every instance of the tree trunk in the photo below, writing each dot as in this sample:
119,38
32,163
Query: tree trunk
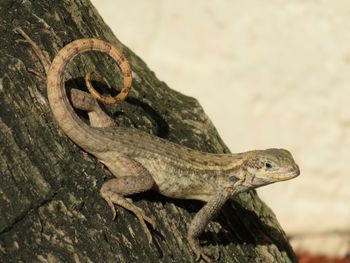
50,207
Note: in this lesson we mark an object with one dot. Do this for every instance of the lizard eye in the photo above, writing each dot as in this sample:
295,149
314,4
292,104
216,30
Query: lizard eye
268,165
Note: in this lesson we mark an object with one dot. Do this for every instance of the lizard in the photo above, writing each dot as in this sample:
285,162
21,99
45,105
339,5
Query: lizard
141,162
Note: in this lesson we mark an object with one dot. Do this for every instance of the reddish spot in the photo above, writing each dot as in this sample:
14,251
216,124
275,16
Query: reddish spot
307,258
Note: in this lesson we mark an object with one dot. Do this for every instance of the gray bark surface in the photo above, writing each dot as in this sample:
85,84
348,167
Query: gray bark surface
50,207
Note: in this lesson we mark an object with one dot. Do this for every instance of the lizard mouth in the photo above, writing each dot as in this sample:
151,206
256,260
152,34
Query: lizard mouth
291,173
284,176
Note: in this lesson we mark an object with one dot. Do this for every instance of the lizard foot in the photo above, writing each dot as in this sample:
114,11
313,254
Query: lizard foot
142,217
201,255
113,198
199,251
114,190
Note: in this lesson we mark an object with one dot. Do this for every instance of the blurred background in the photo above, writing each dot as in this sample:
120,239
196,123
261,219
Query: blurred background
269,74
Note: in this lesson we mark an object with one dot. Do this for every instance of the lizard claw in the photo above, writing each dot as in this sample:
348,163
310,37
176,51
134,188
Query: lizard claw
199,251
140,214
142,217
112,198
202,255
111,205
150,221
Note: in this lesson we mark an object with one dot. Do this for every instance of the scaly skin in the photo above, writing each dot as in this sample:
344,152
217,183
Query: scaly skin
141,161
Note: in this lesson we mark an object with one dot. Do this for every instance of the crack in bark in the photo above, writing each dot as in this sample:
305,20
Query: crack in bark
24,214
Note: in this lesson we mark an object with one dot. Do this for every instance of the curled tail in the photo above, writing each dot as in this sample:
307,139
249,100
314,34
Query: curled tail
78,131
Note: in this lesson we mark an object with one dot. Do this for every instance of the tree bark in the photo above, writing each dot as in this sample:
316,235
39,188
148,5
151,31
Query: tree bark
50,207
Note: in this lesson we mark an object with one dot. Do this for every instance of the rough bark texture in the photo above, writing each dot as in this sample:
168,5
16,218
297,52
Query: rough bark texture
50,208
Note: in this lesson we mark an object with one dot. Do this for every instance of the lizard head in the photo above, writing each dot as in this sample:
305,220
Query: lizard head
269,166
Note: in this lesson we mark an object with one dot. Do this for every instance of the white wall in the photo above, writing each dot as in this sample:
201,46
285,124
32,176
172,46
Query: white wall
269,74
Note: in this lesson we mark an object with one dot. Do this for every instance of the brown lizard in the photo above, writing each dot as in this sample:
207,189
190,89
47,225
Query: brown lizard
142,162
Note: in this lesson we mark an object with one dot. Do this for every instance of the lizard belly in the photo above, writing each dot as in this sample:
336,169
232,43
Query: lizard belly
180,183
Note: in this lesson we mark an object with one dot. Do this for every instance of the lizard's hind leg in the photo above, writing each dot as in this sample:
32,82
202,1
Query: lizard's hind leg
86,102
138,180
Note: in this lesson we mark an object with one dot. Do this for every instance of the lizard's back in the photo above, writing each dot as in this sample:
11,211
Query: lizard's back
176,169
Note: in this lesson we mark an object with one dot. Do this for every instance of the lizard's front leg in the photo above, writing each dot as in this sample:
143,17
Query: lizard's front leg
135,179
201,220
